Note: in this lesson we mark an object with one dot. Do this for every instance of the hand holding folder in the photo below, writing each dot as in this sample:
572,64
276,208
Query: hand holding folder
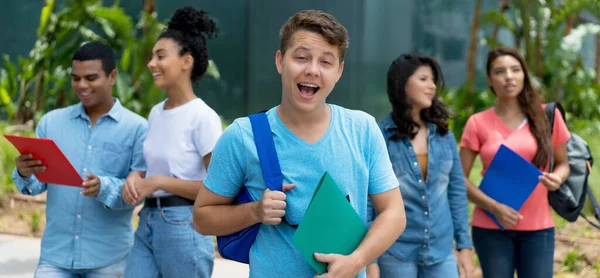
510,180
58,168
329,226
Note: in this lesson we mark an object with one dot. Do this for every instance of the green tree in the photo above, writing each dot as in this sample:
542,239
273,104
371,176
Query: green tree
39,82
550,36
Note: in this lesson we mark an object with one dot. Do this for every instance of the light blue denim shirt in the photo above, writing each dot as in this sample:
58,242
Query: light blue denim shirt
436,207
89,232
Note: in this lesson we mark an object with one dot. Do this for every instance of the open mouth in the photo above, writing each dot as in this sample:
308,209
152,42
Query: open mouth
308,90
156,74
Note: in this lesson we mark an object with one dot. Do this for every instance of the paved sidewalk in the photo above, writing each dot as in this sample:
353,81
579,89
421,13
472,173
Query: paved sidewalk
19,256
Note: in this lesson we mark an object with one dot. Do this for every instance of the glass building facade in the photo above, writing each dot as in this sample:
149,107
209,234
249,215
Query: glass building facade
245,49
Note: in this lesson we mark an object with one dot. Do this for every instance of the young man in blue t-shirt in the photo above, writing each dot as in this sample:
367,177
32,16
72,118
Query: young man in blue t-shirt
311,137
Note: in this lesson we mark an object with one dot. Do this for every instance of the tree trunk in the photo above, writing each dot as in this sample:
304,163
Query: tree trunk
569,25
60,98
539,60
526,8
471,66
22,110
149,6
504,5
38,90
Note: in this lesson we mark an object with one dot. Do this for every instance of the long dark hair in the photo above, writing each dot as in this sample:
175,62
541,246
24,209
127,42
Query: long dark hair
530,102
398,74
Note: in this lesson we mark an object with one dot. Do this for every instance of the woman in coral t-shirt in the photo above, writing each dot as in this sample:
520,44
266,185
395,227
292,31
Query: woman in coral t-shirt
518,121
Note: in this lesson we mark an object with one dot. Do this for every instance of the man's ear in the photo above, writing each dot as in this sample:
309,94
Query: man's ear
279,61
340,71
112,77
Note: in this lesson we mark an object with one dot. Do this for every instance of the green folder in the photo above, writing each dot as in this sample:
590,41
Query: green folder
330,225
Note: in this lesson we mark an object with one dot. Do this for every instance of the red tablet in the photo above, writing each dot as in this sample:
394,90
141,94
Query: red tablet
58,168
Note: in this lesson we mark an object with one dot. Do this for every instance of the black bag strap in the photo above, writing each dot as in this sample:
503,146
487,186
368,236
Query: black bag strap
595,206
550,108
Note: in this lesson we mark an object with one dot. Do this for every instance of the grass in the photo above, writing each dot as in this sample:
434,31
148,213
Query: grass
572,262
7,164
35,221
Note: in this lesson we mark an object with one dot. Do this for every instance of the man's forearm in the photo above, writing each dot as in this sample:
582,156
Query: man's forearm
384,231
221,220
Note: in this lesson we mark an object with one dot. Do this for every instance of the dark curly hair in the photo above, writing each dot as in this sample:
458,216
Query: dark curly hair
188,28
398,74
530,102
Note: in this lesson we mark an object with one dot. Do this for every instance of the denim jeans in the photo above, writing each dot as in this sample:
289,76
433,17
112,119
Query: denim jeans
166,245
530,253
46,270
391,266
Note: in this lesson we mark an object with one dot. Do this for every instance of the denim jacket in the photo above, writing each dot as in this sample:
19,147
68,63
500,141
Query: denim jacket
433,207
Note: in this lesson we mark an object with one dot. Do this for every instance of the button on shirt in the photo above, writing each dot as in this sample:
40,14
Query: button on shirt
89,232
434,205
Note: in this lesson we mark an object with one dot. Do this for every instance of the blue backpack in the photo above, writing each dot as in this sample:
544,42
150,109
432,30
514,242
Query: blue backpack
236,246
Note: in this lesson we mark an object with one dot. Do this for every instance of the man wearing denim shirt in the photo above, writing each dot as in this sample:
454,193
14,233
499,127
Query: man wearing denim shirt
88,231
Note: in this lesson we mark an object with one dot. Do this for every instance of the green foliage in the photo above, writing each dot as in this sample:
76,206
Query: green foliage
35,84
572,263
8,153
35,221
463,104
553,58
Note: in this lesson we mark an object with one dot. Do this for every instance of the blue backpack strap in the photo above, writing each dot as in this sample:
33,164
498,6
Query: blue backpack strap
267,154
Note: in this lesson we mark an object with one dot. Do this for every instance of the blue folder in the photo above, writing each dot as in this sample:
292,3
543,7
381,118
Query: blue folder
510,180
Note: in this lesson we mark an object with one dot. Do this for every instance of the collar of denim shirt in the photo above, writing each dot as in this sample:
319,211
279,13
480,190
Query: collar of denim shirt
114,113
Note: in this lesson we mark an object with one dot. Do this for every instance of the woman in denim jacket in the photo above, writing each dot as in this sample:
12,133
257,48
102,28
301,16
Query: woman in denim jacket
425,158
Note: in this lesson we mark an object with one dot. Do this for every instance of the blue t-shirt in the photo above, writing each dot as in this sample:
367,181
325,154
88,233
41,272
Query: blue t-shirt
352,150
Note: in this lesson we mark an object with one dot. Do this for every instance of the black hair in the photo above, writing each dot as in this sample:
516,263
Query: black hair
398,74
188,28
97,51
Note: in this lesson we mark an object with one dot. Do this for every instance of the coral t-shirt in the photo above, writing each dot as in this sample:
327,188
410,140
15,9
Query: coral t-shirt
484,133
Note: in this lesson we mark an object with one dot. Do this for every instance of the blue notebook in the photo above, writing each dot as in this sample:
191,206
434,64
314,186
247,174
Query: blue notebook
510,180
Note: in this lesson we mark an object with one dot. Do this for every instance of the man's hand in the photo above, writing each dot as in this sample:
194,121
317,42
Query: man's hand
26,166
271,207
373,271
339,266
465,263
92,186
129,191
